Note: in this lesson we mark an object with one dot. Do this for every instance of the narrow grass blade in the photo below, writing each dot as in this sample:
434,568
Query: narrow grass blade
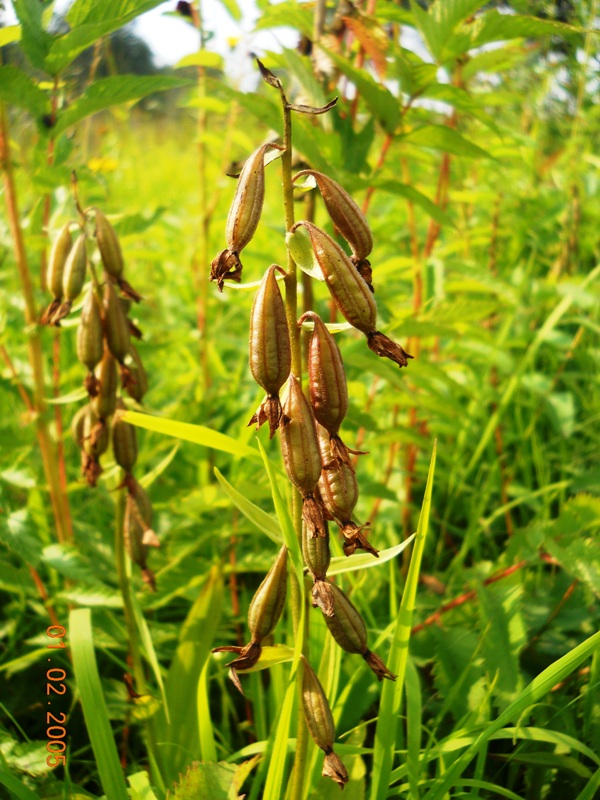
391,694
148,650
361,561
589,791
149,478
208,748
15,787
413,727
198,434
275,775
252,512
532,693
94,708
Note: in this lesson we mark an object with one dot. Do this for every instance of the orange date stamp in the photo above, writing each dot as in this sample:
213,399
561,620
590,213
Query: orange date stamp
55,730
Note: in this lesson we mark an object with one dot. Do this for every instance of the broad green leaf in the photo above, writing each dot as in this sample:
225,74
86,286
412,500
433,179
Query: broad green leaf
472,105
271,655
203,58
113,91
10,34
140,787
494,27
35,41
191,433
287,14
341,564
298,243
252,512
91,12
17,532
416,197
205,780
440,137
95,712
378,98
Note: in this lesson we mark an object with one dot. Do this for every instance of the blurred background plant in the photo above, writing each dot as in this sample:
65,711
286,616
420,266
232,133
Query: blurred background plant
466,132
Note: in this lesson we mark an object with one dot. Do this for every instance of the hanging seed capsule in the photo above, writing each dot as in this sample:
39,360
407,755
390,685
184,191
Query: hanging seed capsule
105,402
349,630
319,721
242,220
270,353
338,488
327,385
142,511
348,219
351,294
124,441
92,438
301,458
263,615
315,550
133,375
77,425
134,542
116,325
55,271
112,255
73,277
90,339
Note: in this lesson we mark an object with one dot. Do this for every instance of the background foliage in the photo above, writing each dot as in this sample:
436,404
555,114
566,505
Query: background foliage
468,130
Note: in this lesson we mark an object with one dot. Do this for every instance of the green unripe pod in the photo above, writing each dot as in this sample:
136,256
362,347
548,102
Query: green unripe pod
109,246
299,444
73,278
337,483
55,271
105,401
90,339
135,380
124,441
269,599
116,325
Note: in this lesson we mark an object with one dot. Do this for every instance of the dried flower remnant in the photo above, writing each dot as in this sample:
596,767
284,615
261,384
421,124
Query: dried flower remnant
301,457
319,721
263,615
348,219
242,220
270,352
351,294
349,630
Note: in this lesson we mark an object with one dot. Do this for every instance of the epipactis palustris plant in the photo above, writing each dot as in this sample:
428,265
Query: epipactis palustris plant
316,459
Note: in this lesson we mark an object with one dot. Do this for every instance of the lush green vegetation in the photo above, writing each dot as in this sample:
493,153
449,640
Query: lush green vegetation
470,146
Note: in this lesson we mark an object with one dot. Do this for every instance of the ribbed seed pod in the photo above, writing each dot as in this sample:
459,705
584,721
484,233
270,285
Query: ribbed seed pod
242,220
90,339
263,615
109,246
349,630
142,511
74,275
134,542
91,436
347,218
115,324
270,352
351,294
133,375
315,550
319,721
301,457
55,271
78,425
124,441
338,488
105,402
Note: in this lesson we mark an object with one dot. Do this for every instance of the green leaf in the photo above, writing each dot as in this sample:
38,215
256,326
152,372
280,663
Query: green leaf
35,41
357,561
203,58
462,101
141,788
288,15
191,433
205,779
10,34
17,533
379,100
113,91
95,712
263,521
416,197
14,785
494,27
233,8
440,137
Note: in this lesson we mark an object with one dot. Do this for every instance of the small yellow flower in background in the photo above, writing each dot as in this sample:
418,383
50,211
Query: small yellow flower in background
103,164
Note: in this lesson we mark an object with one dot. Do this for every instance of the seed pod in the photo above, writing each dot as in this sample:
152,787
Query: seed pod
347,218
124,441
92,439
77,425
109,246
73,277
95,436
349,630
116,325
90,339
242,220
134,542
351,294
105,402
319,721
270,352
316,554
300,450
142,511
133,375
55,270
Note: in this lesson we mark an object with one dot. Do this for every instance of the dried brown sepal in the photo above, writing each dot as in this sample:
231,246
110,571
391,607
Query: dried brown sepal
334,768
268,411
247,656
226,266
134,330
323,596
91,469
385,348
133,375
355,540
91,383
63,310
312,514
314,110
268,76
47,316
378,667
365,270
340,453
149,578
129,291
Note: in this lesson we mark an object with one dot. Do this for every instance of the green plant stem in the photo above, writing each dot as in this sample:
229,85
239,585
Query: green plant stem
47,449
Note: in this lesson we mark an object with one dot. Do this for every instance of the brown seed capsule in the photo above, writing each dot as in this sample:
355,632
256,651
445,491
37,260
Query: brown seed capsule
301,458
77,425
124,441
90,339
345,214
133,375
116,325
55,271
109,246
73,277
270,353
319,721
315,550
244,215
133,535
105,402
92,438
351,294
349,630
142,511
